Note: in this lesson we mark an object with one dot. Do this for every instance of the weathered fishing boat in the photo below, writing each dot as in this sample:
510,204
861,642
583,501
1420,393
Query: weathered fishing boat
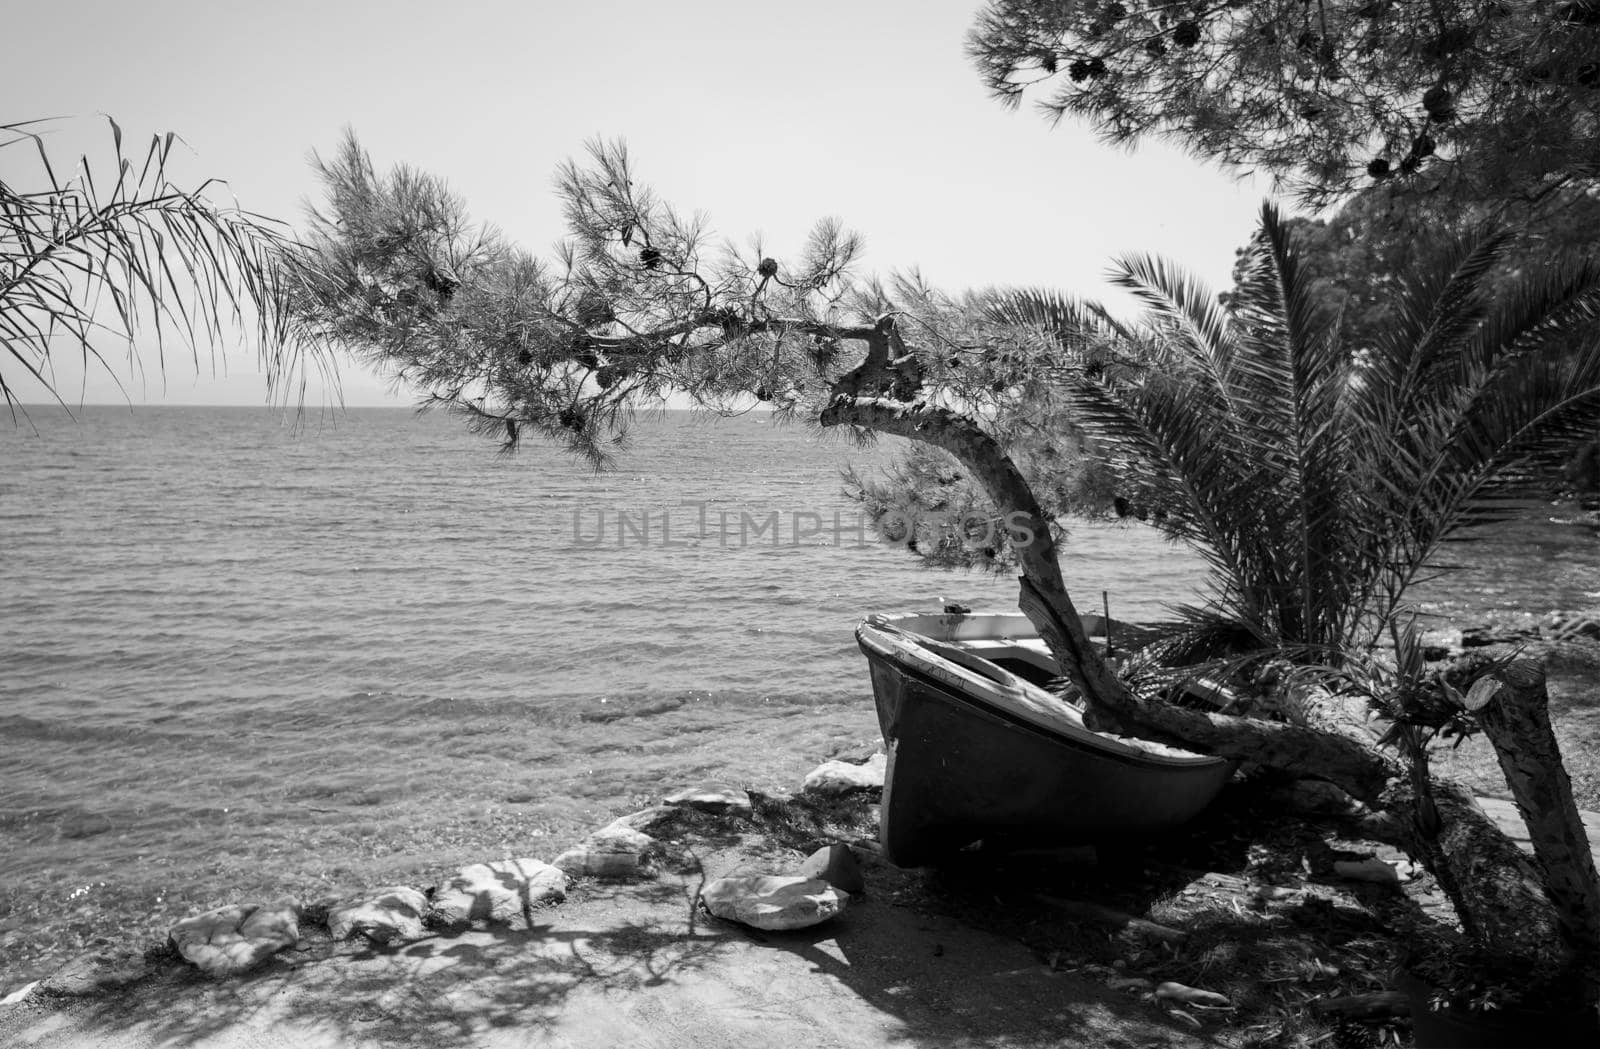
979,750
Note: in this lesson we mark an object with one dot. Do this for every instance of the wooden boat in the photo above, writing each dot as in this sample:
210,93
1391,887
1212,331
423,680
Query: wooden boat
979,750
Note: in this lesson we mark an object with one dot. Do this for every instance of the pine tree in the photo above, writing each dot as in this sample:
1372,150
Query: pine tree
1468,99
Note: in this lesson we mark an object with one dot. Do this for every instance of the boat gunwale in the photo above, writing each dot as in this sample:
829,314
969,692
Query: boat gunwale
894,648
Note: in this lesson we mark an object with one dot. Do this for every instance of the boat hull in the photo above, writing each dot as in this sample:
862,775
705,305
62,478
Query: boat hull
960,770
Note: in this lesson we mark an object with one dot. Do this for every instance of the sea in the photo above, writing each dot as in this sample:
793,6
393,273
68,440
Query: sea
245,656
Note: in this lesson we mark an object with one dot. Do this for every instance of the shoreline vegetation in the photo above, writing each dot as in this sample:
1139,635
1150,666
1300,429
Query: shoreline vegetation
1272,900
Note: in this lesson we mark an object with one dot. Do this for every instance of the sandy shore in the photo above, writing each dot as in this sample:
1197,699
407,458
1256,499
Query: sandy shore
628,965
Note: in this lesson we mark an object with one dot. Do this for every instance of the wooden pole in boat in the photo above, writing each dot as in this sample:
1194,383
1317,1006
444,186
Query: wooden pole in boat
1105,603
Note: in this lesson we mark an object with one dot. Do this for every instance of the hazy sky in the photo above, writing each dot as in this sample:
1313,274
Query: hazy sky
765,116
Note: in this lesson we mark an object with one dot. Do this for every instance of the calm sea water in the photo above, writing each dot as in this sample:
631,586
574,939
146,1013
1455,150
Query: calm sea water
238,660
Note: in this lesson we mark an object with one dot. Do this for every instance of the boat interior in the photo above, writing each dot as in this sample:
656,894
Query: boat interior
1010,641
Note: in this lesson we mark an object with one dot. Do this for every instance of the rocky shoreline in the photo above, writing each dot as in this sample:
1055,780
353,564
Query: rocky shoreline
512,949
236,939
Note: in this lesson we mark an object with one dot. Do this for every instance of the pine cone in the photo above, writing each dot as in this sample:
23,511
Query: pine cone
1439,104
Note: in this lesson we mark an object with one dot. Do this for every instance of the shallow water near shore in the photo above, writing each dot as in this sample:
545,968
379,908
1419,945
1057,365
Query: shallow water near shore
238,660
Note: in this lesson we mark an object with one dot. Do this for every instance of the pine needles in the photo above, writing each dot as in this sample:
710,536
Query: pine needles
92,253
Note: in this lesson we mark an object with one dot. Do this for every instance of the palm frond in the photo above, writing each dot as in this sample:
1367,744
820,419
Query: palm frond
1318,480
1179,305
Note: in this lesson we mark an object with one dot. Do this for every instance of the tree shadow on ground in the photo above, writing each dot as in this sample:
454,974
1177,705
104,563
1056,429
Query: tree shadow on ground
1250,892
949,985
444,990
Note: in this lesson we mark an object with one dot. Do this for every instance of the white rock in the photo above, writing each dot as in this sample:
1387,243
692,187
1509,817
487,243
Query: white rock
841,777
503,891
770,902
1178,992
713,798
16,996
616,851
236,939
658,821
388,914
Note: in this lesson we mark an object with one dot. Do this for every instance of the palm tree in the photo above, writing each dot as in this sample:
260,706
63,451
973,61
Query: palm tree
84,256
1318,478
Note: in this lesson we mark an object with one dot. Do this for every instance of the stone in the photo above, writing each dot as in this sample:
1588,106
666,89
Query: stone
658,821
836,865
716,799
834,778
504,892
772,902
90,974
394,913
615,852
1178,992
236,939
17,996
